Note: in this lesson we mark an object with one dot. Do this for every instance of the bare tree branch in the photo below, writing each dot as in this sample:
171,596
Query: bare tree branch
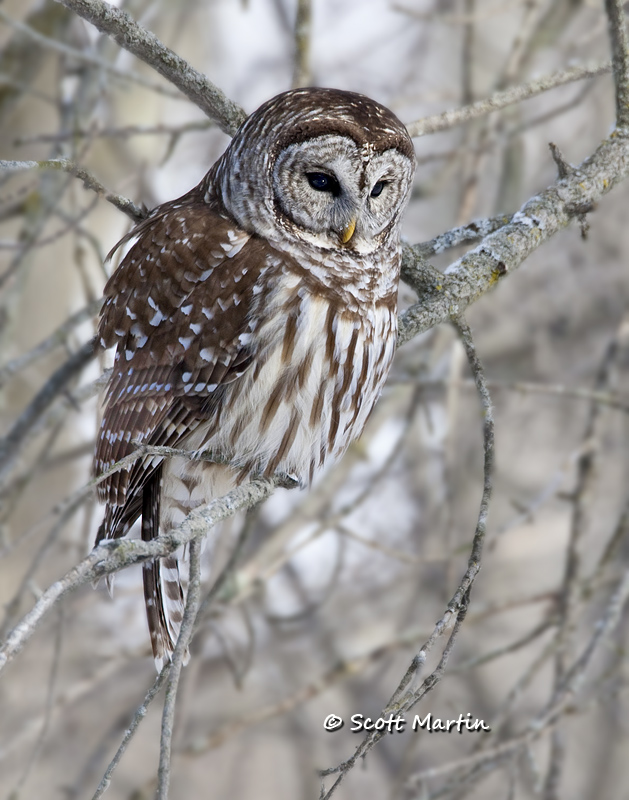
139,715
20,62
502,99
89,58
301,72
545,721
449,294
620,58
10,445
147,47
57,338
113,556
89,181
464,234
406,696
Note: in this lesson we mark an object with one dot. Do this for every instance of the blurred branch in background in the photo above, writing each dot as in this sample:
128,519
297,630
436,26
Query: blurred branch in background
319,598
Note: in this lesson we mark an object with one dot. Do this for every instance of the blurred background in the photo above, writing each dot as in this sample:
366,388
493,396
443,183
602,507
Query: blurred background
339,586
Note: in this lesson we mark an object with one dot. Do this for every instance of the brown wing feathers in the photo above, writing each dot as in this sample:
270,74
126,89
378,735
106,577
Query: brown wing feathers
163,307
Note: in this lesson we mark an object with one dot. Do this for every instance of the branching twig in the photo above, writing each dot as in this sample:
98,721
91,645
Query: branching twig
548,718
508,97
113,556
448,294
128,735
147,47
10,445
405,697
89,181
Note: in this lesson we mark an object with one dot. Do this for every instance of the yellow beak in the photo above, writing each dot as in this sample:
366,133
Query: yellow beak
348,231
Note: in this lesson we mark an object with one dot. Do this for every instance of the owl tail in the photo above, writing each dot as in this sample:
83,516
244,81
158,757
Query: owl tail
163,592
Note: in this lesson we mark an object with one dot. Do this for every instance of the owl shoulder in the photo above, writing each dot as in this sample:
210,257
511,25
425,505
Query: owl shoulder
186,254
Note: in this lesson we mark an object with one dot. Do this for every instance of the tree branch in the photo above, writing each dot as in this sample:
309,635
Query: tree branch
464,234
87,58
113,556
10,445
147,47
620,58
89,181
508,97
405,696
446,295
128,735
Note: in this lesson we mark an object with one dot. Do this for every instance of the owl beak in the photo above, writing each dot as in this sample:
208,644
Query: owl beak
347,232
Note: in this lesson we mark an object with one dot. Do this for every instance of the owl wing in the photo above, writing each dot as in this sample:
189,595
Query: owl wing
178,307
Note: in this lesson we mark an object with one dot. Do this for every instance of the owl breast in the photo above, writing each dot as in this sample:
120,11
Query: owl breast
319,369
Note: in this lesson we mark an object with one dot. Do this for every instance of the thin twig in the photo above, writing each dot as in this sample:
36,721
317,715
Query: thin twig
123,132
87,58
571,594
508,97
52,686
405,696
613,400
489,12
620,58
545,721
123,204
65,700
10,445
56,338
128,735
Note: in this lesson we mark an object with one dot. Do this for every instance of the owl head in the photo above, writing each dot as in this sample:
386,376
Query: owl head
321,166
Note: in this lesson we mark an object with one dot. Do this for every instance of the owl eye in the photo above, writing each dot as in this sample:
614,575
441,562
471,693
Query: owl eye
323,183
377,188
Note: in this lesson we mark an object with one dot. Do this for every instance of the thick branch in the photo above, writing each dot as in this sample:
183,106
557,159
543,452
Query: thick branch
147,47
113,556
447,295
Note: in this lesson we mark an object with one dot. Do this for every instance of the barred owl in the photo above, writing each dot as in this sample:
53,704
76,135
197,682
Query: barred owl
254,317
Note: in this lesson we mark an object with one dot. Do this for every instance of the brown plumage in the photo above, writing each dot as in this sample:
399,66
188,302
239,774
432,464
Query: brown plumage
254,317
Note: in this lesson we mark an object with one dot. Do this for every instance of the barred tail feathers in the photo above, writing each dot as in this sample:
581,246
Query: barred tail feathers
163,592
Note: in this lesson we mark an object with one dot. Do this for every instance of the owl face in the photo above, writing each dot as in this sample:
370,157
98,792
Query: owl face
322,167
336,193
